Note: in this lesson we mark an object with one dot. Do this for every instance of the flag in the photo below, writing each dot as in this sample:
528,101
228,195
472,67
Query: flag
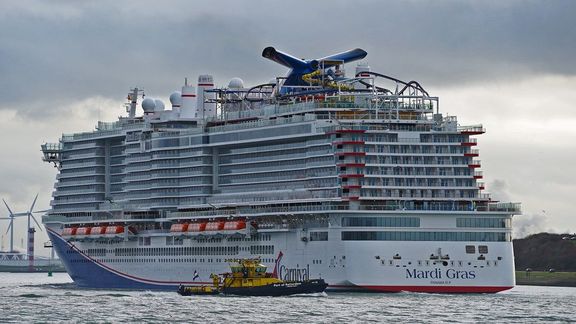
195,275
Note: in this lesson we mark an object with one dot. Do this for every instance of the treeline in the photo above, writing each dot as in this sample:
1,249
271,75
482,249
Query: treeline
544,251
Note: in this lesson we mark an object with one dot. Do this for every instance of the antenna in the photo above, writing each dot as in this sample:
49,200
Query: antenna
133,101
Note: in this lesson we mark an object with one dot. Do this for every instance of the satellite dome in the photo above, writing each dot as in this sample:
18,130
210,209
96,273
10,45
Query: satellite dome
236,83
148,105
176,98
159,105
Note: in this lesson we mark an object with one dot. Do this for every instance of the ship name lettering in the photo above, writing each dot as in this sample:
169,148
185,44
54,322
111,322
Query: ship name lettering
460,274
423,274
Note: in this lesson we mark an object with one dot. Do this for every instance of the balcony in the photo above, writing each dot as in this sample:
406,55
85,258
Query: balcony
469,142
472,153
474,164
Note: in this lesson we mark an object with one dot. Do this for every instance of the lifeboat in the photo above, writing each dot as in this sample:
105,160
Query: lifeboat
98,230
69,231
115,229
179,228
235,225
83,230
215,226
196,227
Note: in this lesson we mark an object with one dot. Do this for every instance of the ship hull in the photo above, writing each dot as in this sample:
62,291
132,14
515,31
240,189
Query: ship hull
279,289
345,266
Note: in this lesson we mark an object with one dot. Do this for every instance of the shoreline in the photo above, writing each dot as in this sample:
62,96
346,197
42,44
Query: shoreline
545,278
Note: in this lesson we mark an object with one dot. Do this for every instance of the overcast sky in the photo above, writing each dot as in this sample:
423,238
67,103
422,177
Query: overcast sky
510,65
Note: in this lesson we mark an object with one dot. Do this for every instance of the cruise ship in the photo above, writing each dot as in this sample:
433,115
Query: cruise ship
356,178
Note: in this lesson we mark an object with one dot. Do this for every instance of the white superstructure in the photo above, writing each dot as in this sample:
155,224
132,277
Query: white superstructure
318,174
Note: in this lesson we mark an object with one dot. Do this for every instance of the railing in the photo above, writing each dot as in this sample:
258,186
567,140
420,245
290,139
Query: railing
472,129
54,147
506,207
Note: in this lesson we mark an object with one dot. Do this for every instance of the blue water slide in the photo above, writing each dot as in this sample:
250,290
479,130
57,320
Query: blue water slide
300,67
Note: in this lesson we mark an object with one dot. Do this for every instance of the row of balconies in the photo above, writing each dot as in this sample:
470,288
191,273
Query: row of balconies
418,193
93,172
278,147
272,158
99,153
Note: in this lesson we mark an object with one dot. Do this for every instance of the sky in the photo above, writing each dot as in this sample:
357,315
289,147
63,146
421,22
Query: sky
508,65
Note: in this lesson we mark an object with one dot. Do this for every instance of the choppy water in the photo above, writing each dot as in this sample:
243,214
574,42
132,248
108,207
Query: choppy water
39,298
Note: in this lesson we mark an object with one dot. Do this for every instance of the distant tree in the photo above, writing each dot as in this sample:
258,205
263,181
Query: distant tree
545,251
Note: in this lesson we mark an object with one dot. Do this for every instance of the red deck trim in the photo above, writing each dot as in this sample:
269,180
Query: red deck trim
429,289
351,153
351,165
348,143
346,131
351,176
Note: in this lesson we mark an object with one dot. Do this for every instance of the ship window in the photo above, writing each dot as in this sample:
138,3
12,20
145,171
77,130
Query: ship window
381,221
483,249
319,236
470,249
423,236
482,222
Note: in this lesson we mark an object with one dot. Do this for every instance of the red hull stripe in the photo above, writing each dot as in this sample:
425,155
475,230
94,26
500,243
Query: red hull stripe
429,289
205,85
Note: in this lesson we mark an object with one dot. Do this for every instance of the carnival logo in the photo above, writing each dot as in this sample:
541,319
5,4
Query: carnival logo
290,274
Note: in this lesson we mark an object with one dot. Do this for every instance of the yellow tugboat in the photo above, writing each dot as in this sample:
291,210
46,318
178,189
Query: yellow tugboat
248,277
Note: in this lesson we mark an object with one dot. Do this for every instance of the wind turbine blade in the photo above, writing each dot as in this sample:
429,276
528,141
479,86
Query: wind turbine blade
40,211
20,214
33,203
8,229
9,210
35,221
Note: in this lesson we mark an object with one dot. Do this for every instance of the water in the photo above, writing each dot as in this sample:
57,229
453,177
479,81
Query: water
39,298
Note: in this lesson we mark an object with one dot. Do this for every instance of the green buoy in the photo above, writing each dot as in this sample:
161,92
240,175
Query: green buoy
49,273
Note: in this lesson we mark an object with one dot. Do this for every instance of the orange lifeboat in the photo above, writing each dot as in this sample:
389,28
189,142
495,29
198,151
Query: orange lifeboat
83,230
197,227
98,230
234,225
69,231
215,226
178,228
114,229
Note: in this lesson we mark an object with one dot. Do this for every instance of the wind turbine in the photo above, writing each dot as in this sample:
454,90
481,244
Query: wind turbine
10,229
13,215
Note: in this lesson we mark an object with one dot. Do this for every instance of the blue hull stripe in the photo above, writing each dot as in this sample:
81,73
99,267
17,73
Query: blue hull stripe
89,273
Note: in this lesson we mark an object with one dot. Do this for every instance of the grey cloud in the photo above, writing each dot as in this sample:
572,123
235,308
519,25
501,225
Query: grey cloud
499,190
525,225
78,50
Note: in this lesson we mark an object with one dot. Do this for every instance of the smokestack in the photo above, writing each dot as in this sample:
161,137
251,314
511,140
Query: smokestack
206,110
188,109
